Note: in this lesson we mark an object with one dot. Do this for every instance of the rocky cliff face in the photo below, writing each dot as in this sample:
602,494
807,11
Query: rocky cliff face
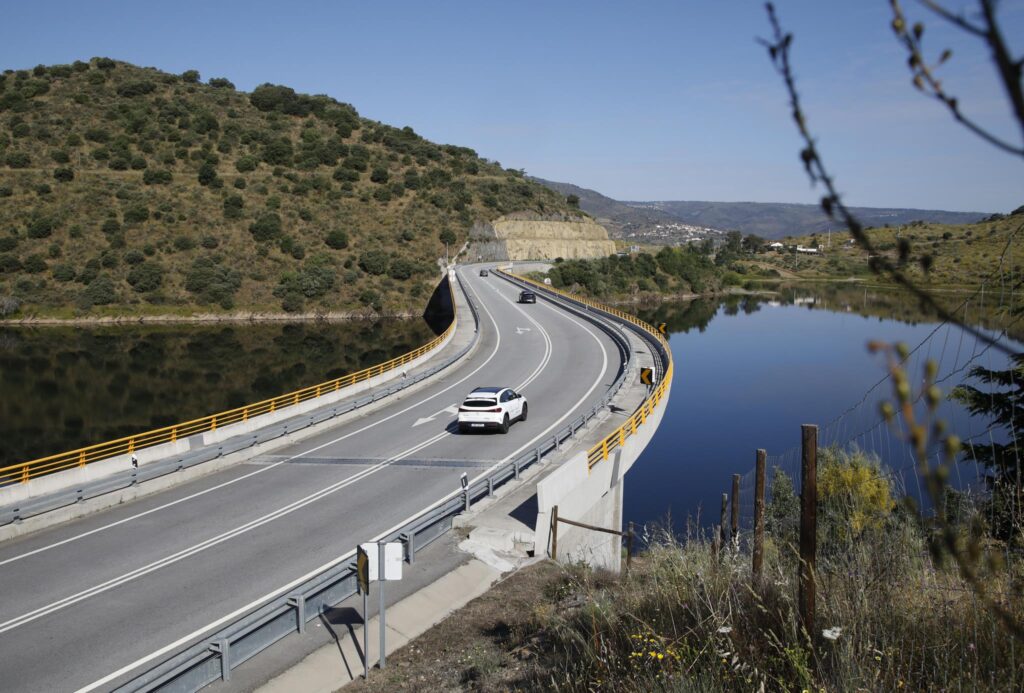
526,237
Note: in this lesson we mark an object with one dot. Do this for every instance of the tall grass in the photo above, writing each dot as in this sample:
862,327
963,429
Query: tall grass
685,618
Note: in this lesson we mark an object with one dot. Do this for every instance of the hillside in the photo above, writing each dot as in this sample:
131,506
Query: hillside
774,219
127,190
936,255
768,220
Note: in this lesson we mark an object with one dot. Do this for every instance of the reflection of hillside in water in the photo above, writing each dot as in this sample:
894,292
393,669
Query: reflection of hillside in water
61,388
990,311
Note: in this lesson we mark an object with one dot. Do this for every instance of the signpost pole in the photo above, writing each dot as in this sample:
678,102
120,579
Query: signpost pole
366,634
380,578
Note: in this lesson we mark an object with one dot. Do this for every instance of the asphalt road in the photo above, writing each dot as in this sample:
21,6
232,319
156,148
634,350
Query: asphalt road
85,600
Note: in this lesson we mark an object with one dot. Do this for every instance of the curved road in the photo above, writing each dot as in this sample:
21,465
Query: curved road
85,600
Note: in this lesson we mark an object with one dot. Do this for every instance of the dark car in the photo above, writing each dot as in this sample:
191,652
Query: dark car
527,297
483,273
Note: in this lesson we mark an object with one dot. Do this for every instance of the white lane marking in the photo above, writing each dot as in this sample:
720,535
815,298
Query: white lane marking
450,409
521,330
269,466
316,571
253,524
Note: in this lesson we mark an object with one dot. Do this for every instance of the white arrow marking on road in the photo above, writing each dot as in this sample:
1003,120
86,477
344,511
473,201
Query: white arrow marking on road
450,409
520,330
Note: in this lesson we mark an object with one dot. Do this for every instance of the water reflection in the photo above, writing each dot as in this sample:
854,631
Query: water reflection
751,368
64,387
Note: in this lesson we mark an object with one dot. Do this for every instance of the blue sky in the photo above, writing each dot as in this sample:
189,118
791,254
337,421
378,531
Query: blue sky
640,101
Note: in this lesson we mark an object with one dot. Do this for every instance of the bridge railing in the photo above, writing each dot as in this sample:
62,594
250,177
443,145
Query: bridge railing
618,437
80,457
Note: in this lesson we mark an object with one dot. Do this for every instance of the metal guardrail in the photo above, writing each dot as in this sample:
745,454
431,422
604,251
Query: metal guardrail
618,437
215,655
24,471
17,512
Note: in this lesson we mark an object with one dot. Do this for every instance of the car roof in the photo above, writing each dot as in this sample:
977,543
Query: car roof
487,390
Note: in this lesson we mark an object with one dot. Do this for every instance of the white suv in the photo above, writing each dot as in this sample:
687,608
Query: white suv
491,407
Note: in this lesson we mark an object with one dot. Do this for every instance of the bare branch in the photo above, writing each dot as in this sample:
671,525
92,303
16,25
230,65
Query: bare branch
831,202
924,77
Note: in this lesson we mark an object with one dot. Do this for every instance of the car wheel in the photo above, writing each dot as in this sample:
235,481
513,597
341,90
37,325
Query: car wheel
504,424
522,417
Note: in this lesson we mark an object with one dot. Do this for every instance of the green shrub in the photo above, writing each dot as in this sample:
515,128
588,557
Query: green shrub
100,291
374,262
59,156
190,76
267,227
313,279
138,163
64,174
6,191
105,64
345,175
111,225
245,164
21,130
233,207
212,283
337,239
41,227
8,243
147,276
447,236
209,242
109,259
35,264
64,273
134,257
136,88
278,152
118,164
18,160
152,176
207,173
221,83
292,302
136,214
9,263
379,175
184,243
402,268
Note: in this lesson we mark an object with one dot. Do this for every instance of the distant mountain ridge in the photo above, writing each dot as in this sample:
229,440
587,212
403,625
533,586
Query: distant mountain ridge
767,219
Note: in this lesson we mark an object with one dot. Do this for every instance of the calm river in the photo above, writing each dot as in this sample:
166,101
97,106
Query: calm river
749,372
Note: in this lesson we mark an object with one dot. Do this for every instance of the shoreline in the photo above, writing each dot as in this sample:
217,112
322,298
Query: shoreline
206,318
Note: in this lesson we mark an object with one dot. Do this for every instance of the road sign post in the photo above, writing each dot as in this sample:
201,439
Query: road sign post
366,572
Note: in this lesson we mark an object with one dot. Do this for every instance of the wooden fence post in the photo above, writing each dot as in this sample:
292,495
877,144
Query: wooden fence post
758,557
808,525
735,524
629,546
554,533
723,527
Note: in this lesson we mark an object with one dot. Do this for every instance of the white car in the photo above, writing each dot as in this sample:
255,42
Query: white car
491,407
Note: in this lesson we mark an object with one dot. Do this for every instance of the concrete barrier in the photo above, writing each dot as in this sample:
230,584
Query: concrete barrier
593,497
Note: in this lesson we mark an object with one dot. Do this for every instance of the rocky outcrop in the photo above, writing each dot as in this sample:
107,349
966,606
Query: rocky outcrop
529,237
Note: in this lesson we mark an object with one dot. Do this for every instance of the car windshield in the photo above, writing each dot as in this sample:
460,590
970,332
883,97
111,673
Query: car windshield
476,402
